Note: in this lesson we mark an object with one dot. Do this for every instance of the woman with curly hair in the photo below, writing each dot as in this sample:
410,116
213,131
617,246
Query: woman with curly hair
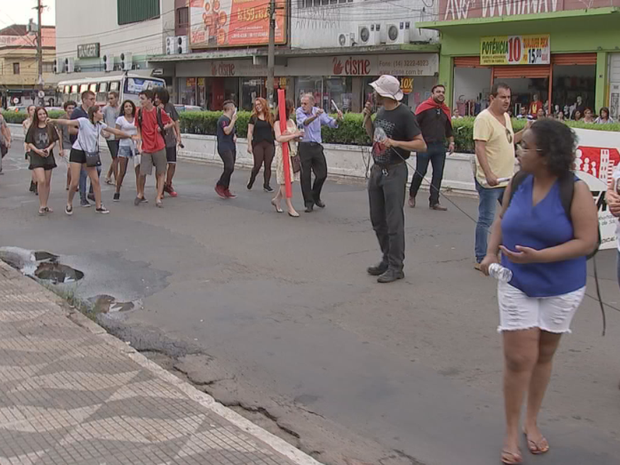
261,142
544,241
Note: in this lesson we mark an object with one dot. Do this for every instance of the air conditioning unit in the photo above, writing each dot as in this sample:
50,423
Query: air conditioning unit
181,44
170,45
58,66
369,35
346,39
108,62
127,61
397,33
69,65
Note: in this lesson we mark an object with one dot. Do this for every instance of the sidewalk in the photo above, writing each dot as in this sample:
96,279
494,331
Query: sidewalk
72,394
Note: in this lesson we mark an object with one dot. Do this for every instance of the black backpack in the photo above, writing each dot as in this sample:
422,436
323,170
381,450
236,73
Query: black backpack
567,190
160,122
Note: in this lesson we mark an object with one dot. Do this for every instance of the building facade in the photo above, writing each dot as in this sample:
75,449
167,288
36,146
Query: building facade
555,49
19,71
332,48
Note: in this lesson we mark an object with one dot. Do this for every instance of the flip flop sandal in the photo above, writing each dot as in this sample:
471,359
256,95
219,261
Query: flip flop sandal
108,181
49,210
537,448
510,458
42,211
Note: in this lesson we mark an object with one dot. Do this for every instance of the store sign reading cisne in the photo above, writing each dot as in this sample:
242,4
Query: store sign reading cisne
352,67
515,50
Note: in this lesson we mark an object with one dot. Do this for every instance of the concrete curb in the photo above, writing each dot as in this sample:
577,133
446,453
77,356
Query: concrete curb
277,444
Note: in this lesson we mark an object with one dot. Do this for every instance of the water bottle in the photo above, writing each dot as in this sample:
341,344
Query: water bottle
500,273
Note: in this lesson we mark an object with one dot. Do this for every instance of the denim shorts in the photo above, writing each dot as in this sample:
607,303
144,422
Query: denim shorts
126,151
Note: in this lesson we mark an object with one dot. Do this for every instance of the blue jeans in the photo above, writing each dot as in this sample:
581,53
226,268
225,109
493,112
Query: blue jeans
83,178
487,203
436,155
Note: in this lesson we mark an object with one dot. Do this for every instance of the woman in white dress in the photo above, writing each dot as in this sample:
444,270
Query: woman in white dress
289,137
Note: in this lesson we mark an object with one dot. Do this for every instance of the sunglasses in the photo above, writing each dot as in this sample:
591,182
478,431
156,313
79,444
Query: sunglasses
509,136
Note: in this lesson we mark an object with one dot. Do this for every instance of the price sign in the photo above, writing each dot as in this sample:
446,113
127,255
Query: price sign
515,50
406,85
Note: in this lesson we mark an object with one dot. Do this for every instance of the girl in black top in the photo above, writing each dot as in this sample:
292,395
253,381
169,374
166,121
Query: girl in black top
40,140
261,141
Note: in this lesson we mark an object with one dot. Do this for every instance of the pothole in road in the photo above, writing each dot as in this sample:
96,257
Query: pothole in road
57,273
108,304
40,264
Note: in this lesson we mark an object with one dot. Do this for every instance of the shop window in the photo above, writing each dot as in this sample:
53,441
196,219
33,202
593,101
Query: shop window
187,91
570,82
340,90
251,89
471,90
309,85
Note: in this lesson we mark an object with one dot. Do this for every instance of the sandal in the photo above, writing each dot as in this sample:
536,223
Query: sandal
511,458
108,181
537,448
42,211
49,210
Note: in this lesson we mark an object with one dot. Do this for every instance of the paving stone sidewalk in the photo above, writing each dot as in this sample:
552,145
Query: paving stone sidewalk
72,394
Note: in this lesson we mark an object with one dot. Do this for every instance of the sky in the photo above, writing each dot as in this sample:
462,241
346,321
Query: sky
19,11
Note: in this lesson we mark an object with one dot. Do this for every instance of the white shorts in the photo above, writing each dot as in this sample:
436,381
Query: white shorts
554,314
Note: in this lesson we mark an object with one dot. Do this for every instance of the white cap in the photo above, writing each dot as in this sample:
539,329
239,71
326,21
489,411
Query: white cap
388,86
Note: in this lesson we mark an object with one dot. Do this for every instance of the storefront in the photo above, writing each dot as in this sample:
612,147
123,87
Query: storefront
549,54
342,79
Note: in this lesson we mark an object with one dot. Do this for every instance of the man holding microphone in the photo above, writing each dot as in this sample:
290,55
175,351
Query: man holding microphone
310,119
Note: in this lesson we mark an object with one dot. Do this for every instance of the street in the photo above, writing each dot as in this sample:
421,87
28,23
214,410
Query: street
277,317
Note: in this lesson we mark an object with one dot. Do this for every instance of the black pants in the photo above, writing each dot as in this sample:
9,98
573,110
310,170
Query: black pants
228,157
263,153
386,193
312,160
436,155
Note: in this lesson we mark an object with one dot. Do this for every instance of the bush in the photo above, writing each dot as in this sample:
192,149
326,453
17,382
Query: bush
350,131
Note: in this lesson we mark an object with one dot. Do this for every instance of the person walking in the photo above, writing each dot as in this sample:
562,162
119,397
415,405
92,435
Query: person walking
127,149
65,141
547,227
110,114
226,148
495,142
40,140
395,134
311,151
25,126
5,140
289,137
173,137
88,101
85,152
434,119
153,124
261,142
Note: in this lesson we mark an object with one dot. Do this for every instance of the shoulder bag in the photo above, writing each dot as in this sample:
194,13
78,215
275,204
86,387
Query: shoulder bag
92,158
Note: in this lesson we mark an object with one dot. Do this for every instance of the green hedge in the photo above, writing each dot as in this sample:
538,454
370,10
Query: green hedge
350,130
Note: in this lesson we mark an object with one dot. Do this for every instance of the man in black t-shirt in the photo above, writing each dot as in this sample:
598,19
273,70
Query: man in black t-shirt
226,148
394,133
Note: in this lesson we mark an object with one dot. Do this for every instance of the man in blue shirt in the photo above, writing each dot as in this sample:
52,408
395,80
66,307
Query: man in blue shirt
310,119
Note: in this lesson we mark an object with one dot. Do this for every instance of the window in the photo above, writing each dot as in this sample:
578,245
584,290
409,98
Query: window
182,17
116,85
83,88
48,67
74,89
15,68
103,87
133,11
67,89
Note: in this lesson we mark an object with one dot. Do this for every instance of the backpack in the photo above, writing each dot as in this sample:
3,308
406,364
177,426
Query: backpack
567,190
160,122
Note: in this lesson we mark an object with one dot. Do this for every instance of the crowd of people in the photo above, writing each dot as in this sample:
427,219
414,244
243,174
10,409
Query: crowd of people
539,242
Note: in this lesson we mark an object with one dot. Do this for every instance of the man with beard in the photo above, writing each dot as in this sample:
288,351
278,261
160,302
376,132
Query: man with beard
434,119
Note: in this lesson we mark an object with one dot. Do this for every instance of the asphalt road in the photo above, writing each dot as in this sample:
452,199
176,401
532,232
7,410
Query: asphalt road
284,313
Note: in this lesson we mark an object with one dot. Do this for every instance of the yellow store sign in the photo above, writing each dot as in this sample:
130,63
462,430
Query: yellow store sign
515,50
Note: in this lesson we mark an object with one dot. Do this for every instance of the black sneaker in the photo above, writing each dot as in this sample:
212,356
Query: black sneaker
267,188
390,276
103,210
84,203
377,270
117,197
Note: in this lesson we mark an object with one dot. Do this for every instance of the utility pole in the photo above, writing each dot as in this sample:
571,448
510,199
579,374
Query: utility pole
39,9
271,51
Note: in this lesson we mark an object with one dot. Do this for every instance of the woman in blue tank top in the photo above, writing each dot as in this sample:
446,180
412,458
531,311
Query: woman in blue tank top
546,251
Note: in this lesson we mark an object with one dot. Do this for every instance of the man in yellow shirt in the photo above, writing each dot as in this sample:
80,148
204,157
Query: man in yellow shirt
495,160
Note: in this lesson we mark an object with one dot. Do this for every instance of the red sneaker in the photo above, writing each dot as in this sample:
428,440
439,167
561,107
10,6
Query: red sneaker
229,194
219,190
171,191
